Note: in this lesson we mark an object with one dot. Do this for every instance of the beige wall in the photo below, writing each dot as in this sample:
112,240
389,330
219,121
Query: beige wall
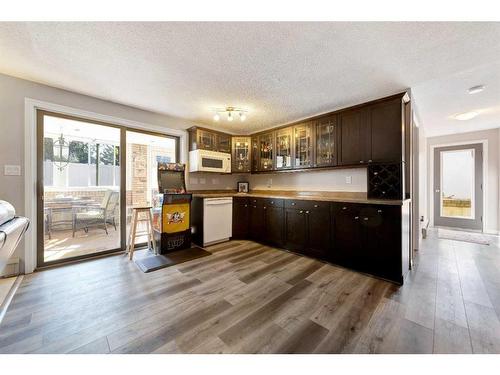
491,214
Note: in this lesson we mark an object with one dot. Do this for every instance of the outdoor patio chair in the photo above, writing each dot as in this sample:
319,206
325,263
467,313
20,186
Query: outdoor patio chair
85,216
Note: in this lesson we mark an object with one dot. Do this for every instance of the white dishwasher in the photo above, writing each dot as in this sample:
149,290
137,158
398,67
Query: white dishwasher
217,220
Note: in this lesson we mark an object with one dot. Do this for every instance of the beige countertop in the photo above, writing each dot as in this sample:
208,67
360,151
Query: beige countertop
341,196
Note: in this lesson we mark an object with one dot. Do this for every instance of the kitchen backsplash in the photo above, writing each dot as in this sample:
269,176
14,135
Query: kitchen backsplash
322,180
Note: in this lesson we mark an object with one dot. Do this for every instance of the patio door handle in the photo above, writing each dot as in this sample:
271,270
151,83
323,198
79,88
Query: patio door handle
437,190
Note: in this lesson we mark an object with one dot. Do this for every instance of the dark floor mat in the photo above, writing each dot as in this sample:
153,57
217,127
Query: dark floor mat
155,262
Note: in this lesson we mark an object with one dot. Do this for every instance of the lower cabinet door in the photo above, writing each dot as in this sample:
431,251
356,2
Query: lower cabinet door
274,222
295,229
240,220
318,233
256,222
347,247
382,242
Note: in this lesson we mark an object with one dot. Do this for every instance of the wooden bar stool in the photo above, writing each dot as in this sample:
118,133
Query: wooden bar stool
133,228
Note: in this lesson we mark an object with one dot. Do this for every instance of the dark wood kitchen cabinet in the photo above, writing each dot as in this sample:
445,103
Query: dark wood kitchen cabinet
273,221
326,142
295,229
354,137
241,156
307,228
386,129
266,151
368,238
303,145
241,216
224,143
206,139
256,222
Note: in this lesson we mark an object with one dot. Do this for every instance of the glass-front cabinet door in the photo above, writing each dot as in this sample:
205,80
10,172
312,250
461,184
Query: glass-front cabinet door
266,145
206,140
224,143
284,148
255,153
241,154
326,146
302,145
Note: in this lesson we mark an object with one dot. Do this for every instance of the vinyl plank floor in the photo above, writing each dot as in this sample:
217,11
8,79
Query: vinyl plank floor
251,298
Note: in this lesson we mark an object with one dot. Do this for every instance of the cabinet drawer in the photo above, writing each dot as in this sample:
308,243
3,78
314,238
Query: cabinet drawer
240,201
273,202
307,205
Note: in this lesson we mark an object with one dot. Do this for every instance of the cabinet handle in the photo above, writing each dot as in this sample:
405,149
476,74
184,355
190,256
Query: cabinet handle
344,208
361,162
293,203
356,217
272,202
369,161
307,212
365,219
246,205
265,207
379,211
375,173
301,212
316,206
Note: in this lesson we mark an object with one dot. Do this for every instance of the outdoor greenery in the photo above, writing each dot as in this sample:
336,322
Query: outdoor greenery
79,152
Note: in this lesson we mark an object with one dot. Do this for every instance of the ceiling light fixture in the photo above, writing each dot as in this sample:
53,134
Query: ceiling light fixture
475,89
230,111
466,115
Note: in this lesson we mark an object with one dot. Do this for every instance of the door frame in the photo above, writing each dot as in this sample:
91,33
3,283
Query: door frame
31,106
431,172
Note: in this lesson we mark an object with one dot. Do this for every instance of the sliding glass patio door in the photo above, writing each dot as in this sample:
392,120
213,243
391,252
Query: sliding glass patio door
85,193
144,151
78,188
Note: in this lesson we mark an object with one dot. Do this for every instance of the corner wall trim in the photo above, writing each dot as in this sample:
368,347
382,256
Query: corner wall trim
30,170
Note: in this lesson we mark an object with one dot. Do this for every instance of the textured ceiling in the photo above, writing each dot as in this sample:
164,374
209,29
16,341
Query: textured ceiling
281,72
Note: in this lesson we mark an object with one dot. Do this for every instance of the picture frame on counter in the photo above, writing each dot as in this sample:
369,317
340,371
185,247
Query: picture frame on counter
243,187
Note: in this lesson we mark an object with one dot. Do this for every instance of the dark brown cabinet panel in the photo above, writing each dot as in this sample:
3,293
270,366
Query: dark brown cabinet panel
326,142
256,221
346,235
241,215
386,131
354,137
295,229
318,233
274,224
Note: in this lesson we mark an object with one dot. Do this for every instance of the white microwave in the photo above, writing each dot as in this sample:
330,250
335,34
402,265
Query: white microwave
209,161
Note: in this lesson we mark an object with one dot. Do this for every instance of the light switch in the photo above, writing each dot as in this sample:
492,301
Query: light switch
348,179
12,170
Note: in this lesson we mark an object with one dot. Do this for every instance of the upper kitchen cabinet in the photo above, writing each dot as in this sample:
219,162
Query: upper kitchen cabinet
241,158
206,139
326,142
255,154
266,151
224,143
386,130
354,137
303,145
284,148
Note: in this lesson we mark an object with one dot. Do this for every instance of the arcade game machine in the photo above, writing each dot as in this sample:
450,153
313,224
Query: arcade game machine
171,209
